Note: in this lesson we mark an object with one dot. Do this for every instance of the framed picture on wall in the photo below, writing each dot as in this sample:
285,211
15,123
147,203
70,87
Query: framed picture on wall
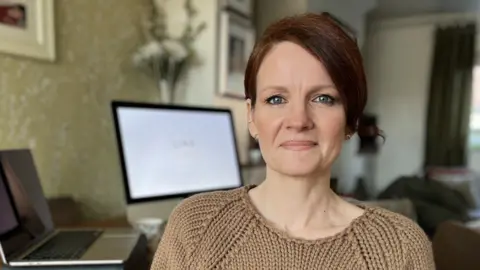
237,38
27,28
243,7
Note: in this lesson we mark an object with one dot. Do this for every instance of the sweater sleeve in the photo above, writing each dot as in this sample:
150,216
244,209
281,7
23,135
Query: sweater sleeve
172,250
418,248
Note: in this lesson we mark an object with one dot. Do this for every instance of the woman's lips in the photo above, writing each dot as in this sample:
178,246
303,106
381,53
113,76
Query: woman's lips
298,145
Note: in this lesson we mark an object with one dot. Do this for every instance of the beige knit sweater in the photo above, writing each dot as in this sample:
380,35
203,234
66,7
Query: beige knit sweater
223,230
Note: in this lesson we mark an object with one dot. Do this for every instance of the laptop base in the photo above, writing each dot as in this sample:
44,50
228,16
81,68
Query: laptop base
78,267
138,260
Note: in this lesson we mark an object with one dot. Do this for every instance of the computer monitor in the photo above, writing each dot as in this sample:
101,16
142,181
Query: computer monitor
170,152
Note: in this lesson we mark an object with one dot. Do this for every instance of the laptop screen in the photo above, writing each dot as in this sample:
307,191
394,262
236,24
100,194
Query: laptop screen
27,217
9,220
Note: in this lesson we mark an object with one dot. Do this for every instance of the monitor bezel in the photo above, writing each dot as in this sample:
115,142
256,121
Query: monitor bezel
118,104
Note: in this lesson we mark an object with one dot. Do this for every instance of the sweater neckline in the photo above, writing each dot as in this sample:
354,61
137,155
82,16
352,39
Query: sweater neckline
345,233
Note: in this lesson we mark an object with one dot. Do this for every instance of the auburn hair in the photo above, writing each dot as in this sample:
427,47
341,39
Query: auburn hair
325,39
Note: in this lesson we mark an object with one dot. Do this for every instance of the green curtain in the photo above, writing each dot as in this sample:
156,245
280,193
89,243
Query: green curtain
450,96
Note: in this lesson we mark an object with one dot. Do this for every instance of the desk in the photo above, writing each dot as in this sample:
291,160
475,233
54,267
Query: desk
117,222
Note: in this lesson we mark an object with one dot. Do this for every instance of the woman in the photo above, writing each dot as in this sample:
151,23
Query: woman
305,89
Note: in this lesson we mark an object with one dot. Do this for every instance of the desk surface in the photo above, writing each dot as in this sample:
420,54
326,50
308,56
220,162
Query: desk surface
117,222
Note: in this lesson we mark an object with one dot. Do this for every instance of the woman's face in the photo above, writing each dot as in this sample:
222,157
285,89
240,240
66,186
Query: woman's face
298,116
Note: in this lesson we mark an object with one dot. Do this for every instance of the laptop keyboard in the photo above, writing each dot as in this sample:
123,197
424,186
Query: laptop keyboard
65,245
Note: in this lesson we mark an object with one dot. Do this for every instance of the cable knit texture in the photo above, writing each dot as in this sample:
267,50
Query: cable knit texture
223,230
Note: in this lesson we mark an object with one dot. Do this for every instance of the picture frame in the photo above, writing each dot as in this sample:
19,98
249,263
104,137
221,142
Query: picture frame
244,7
27,28
237,38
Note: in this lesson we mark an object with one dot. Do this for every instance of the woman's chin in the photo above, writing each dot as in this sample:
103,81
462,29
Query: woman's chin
299,170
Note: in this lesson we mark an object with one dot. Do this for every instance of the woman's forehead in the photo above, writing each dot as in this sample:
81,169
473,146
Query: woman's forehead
288,63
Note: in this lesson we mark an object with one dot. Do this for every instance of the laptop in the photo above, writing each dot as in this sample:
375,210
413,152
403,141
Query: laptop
27,233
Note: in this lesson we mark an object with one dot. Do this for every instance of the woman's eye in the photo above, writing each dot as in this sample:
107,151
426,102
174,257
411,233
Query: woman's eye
326,99
275,100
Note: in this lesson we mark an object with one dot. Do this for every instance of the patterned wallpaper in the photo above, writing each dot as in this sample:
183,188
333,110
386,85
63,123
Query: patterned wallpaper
61,110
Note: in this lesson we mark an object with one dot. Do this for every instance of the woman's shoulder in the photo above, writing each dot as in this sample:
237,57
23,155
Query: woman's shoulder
378,216
203,205
384,231
391,224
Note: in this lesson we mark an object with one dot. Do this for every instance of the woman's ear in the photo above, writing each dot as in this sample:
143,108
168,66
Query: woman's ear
348,132
249,110
250,118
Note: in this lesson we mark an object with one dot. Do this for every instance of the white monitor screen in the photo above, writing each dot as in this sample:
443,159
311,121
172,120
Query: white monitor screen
169,151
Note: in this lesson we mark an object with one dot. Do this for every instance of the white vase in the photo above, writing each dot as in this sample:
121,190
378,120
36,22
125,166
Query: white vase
166,92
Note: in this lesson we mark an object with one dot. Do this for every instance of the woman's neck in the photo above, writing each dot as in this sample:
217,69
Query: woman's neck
296,204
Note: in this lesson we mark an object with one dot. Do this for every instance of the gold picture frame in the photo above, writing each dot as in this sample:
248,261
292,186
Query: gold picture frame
27,28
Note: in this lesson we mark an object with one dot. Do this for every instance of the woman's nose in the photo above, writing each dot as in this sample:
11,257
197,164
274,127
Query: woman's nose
299,118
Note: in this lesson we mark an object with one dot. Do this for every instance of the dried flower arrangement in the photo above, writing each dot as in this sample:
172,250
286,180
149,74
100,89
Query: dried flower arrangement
163,56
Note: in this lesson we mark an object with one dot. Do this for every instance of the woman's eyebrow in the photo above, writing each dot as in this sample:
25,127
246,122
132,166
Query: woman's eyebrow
314,88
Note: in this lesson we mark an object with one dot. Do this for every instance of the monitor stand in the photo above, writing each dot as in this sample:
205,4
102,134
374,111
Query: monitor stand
155,209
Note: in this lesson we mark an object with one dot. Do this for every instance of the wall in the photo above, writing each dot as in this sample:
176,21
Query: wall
393,8
399,62
61,110
351,12
200,87
268,11
399,77
409,8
